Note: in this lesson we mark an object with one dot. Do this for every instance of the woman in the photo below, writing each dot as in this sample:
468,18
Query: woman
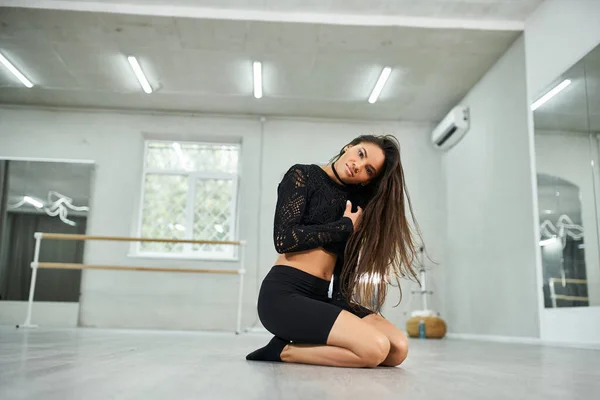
319,235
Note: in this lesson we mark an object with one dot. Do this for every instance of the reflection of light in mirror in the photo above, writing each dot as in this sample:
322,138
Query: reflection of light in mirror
182,161
33,202
547,242
564,227
542,100
59,207
548,211
27,200
178,227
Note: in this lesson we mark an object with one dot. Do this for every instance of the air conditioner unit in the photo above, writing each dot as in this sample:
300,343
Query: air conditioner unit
452,128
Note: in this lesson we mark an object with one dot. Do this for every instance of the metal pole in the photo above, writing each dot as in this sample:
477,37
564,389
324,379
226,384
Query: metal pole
241,273
34,266
423,290
552,292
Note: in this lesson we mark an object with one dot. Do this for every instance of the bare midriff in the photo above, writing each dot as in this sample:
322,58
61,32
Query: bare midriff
317,262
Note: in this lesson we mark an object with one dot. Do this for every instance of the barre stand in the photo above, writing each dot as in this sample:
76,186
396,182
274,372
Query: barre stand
424,323
60,236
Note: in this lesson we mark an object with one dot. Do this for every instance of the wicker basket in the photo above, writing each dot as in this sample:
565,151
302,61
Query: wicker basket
435,327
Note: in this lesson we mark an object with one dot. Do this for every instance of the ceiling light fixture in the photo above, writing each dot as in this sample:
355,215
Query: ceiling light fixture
547,242
542,100
33,202
564,227
15,72
380,84
257,67
59,207
139,74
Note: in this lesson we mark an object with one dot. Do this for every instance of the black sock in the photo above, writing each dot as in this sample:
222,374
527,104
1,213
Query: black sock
271,352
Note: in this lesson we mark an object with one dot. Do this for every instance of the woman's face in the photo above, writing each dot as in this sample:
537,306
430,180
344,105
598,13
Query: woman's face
360,163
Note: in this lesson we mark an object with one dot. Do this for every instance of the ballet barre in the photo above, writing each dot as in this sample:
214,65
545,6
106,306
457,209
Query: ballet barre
36,264
564,281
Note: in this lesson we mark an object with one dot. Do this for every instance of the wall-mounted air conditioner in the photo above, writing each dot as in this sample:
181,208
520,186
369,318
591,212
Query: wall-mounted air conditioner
452,128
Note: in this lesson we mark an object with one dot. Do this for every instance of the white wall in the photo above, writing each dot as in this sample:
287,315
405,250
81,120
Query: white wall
174,301
490,256
115,143
557,35
47,314
567,155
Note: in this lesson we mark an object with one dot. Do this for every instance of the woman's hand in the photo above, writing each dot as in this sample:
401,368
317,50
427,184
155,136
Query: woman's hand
354,216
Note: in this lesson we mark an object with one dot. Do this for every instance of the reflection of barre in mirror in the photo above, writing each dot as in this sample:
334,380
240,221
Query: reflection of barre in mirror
564,227
60,236
55,207
564,281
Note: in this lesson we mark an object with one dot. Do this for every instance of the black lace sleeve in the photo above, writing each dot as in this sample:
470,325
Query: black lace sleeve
289,235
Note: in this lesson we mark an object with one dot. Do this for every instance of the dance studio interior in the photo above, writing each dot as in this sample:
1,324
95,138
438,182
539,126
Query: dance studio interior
143,145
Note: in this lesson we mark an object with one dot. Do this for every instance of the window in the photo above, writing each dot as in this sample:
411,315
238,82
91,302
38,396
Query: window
189,191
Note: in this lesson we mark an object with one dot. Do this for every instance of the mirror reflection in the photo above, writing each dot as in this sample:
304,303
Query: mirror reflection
567,128
42,197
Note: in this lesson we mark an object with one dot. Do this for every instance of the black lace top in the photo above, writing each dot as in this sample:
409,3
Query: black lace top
310,209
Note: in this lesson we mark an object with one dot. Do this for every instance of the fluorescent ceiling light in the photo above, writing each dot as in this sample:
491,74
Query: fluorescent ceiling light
542,100
257,67
380,84
139,74
33,202
15,72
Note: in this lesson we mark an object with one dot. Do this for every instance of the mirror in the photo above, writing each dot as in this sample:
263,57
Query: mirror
567,127
50,197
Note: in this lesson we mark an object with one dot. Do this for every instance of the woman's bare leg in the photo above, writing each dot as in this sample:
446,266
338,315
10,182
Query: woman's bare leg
397,339
352,342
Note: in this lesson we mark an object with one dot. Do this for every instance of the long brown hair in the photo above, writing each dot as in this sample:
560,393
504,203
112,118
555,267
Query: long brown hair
383,247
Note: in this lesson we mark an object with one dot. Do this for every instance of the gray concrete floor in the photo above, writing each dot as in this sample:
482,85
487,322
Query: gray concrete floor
112,364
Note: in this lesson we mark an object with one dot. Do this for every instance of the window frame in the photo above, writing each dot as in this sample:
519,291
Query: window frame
192,177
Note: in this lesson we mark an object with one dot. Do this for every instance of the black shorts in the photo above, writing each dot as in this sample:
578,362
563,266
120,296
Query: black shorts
294,306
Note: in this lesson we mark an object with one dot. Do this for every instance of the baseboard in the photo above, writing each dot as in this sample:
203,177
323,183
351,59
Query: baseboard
44,313
521,340
494,338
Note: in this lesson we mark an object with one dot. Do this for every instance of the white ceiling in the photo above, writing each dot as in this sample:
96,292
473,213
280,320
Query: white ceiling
577,107
507,10
77,59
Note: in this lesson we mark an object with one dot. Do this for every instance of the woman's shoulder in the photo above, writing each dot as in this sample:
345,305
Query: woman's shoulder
304,170
302,175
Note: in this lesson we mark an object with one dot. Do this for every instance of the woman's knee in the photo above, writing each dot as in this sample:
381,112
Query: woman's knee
374,350
398,350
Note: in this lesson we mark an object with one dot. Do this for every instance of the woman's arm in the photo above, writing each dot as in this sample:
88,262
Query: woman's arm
289,235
